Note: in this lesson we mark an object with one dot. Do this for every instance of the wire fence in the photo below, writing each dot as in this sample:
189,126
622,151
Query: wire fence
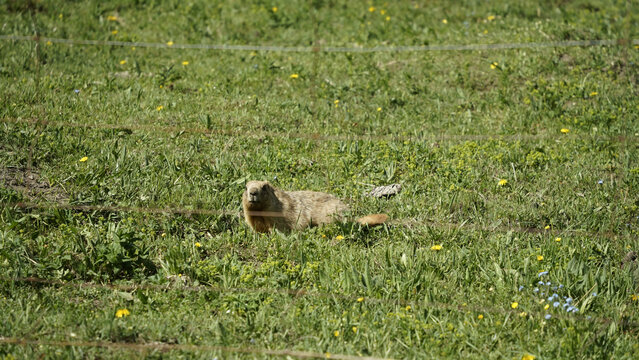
259,134
412,223
329,49
315,49
164,347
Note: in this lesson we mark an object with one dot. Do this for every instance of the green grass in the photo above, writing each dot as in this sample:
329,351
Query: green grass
160,133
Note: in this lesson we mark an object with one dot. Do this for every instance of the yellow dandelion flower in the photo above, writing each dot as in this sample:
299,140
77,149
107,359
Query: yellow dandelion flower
84,159
132,48
514,305
159,108
557,239
336,333
328,355
547,227
60,16
502,182
49,43
523,314
114,32
163,234
490,17
634,297
444,21
436,247
354,328
294,76
274,9
388,18
185,63
371,9
379,109
485,32
197,244
112,18
494,65
528,357
594,93
170,43
122,62
480,316
565,131
360,299
336,102
547,307
339,237
540,257
122,313
382,12
407,308
323,236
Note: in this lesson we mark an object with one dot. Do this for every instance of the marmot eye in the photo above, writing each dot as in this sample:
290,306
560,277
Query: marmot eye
264,187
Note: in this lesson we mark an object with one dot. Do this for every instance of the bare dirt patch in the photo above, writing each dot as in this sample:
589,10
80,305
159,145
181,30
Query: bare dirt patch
30,184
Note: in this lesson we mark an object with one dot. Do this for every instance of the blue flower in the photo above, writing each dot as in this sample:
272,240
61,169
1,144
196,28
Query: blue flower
555,304
547,317
521,287
540,283
588,317
561,286
568,300
536,290
600,182
575,309
594,294
570,308
76,91
548,283
543,273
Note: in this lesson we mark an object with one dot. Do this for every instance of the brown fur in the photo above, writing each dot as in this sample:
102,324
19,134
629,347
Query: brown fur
266,207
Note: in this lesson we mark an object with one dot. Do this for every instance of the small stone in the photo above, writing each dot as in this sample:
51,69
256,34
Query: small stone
385,191
629,260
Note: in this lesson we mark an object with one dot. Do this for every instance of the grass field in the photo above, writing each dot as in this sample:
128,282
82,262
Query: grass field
122,168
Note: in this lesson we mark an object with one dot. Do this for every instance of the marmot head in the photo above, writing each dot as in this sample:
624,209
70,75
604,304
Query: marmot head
258,194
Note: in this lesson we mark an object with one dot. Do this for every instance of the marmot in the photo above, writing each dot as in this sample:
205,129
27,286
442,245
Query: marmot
266,207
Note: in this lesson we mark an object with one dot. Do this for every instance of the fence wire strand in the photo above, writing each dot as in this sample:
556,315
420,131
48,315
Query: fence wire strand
329,49
257,134
410,223
142,347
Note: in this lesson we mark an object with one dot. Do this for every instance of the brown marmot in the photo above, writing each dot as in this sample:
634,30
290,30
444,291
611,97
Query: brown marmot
266,207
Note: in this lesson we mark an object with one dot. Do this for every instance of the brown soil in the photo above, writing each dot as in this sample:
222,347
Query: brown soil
30,184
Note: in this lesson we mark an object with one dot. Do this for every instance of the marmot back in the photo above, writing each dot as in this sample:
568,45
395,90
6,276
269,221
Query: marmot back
266,207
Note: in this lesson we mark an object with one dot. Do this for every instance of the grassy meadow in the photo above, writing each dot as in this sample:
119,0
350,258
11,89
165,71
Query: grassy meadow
122,169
